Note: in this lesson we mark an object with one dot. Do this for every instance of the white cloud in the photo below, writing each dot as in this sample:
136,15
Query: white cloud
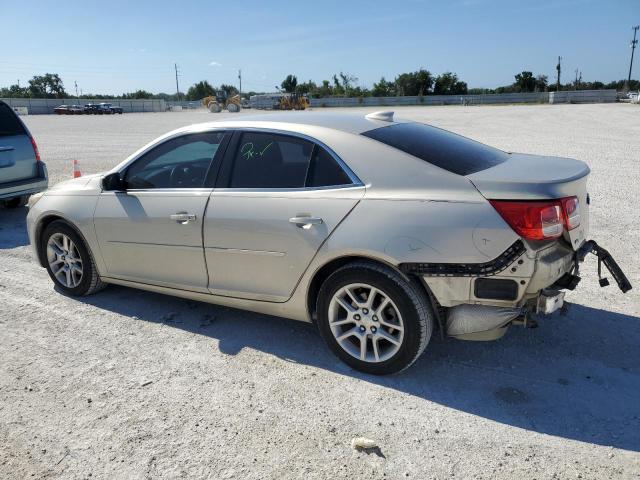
215,64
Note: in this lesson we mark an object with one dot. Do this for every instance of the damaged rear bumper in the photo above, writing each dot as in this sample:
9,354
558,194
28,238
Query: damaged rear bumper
481,300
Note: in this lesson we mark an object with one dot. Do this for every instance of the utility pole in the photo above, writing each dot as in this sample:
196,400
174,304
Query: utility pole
634,42
575,86
175,65
75,83
240,78
558,68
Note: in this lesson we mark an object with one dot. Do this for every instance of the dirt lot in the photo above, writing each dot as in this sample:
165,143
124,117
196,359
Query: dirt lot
128,384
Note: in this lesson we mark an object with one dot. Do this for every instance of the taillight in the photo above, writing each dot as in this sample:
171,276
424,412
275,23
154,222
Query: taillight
571,209
35,149
542,220
532,220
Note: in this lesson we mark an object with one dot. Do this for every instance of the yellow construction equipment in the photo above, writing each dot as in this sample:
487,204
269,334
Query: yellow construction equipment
293,101
222,102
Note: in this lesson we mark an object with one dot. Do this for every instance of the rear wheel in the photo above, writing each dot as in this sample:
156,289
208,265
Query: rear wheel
16,202
373,319
68,260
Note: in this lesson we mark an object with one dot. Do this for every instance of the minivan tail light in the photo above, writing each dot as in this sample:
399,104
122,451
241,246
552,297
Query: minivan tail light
35,149
532,220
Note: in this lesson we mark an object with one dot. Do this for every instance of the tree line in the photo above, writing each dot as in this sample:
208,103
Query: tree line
418,83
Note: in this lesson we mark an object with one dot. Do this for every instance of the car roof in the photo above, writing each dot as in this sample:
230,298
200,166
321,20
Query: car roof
345,122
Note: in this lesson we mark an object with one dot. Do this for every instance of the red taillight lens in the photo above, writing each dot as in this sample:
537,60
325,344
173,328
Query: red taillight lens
35,149
532,220
540,220
571,208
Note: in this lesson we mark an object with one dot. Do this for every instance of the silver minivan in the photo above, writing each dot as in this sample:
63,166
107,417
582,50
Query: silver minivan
22,172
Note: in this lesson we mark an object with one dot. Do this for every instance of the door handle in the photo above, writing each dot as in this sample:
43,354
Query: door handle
183,217
6,149
305,222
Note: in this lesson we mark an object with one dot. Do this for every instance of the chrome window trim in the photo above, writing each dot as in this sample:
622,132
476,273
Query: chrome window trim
355,181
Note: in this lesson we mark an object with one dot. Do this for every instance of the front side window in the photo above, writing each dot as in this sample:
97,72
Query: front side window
182,162
268,160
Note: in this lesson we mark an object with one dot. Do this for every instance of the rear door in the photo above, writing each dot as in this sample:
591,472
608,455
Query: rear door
17,156
277,200
152,231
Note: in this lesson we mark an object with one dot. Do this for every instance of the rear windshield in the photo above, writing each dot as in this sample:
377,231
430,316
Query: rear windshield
443,149
9,123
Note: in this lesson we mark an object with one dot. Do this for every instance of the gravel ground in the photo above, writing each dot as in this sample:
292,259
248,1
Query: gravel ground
128,384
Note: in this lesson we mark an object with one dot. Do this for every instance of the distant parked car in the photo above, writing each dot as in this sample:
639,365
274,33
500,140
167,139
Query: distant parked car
92,109
109,108
61,110
75,110
21,170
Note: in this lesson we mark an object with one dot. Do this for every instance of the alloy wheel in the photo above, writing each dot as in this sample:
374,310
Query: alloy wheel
366,323
64,260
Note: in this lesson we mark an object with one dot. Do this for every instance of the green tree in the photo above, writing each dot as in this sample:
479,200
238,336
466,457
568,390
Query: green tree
542,83
138,94
448,84
200,90
290,83
14,91
525,82
230,90
414,83
307,87
48,85
383,88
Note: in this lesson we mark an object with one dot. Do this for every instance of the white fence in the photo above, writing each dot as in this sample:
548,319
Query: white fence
580,96
37,106
583,96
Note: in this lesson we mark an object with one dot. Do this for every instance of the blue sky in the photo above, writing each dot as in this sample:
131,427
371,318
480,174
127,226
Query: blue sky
119,46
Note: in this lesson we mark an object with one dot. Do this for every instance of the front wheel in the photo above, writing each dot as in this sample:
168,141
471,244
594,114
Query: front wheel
373,319
68,260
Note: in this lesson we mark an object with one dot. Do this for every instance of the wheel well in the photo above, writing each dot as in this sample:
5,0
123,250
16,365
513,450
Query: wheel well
326,270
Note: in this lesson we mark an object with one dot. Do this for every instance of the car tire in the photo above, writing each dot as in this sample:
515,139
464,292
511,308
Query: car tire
16,202
387,349
74,254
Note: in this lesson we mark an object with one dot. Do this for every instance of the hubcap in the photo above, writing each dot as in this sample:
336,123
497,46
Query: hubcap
366,323
64,260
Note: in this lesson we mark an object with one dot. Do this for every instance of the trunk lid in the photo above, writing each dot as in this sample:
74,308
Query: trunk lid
532,177
536,177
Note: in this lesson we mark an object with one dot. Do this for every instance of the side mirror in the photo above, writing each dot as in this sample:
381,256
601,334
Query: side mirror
113,181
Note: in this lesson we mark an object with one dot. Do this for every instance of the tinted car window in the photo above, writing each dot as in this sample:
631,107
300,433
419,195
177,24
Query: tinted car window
325,171
9,123
182,162
266,160
443,149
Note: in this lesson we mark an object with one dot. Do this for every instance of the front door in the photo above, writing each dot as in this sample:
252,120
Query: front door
283,197
152,232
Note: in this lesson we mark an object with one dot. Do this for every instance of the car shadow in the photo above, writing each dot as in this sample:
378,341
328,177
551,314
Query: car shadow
577,376
13,227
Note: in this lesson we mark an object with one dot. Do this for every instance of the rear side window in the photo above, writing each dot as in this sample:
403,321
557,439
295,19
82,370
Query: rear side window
324,171
10,125
269,160
443,149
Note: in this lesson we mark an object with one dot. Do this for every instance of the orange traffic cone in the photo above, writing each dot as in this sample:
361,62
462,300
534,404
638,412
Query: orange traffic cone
76,169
